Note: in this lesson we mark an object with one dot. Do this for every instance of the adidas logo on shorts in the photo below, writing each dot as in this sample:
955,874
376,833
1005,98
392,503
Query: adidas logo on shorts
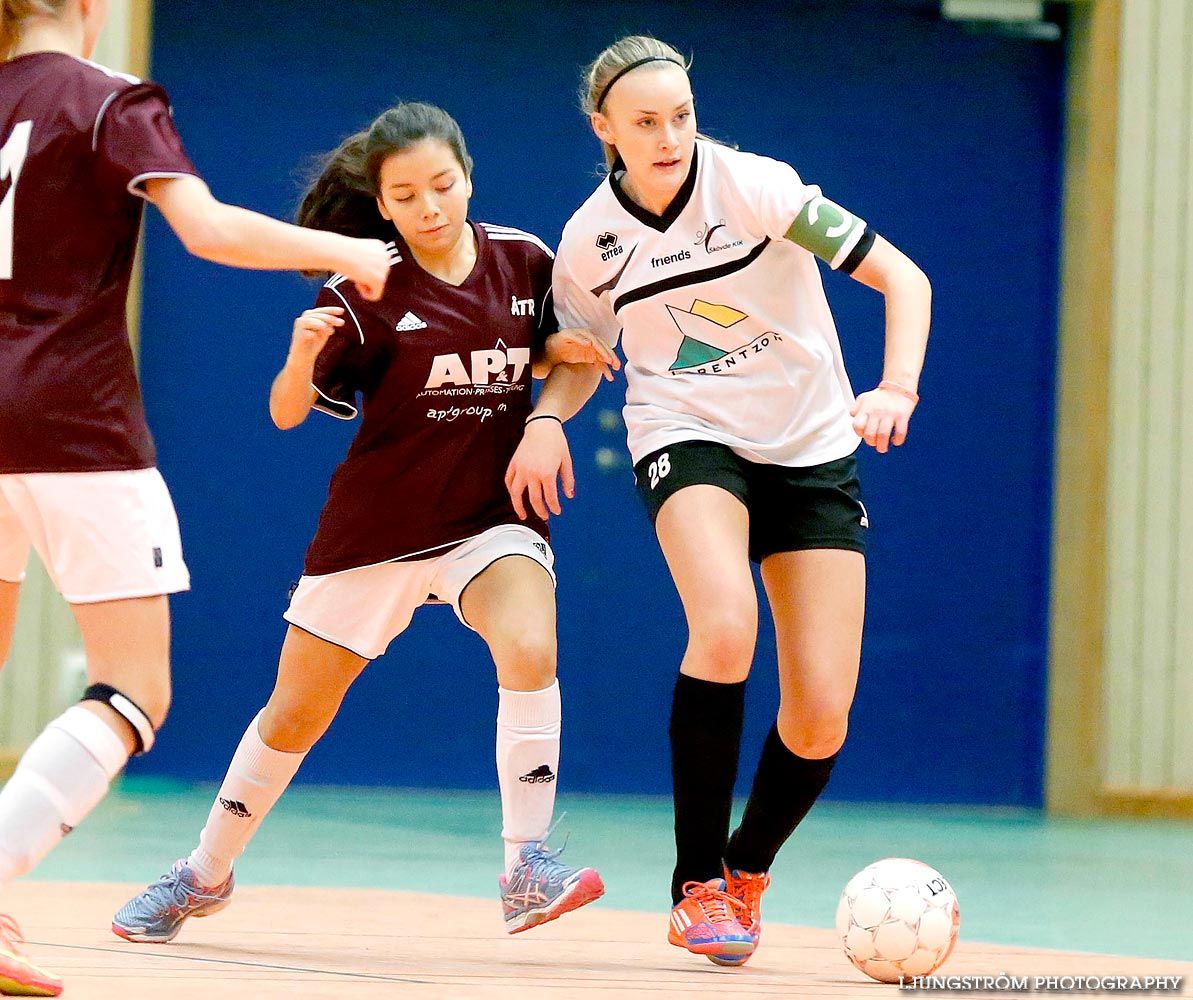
410,322
540,775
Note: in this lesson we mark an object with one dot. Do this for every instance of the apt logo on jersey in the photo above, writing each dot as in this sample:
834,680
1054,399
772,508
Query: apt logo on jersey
714,339
609,245
715,241
499,365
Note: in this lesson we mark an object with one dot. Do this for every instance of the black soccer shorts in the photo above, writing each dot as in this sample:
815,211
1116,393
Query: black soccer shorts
790,509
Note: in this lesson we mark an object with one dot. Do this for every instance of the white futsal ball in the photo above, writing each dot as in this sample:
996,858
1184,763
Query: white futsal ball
898,918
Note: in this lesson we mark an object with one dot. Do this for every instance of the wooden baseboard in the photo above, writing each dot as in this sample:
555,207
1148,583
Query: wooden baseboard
8,762
1156,803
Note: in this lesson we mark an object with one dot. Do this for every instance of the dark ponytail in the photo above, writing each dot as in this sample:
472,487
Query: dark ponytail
340,198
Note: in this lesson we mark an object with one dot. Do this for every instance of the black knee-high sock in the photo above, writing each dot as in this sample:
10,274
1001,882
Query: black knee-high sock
706,723
785,786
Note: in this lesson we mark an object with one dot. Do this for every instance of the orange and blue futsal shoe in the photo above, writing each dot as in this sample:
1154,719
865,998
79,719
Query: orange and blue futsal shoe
706,922
747,888
19,977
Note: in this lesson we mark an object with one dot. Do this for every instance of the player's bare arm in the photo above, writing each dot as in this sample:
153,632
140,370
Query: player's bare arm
881,415
543,456
291,395
238,237
577,347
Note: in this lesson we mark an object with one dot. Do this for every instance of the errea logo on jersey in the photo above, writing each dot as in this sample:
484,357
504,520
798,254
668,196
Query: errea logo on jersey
609,244
451,369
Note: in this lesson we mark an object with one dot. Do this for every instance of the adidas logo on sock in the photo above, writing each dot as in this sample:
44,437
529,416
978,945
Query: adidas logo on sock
236,808
410,322
540,774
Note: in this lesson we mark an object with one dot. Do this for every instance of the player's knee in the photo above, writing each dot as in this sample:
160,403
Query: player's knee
293,726
813,737
724,644
142,717
526,659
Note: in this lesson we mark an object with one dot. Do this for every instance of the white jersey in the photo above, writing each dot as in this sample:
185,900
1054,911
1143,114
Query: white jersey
724,325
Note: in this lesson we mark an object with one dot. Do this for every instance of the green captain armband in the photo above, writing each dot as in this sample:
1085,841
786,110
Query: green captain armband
837,237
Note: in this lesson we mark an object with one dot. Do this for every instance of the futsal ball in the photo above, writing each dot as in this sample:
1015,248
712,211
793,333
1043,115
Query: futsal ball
898,918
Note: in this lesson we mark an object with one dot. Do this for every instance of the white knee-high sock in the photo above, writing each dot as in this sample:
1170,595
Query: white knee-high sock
528,725
255,781
59,780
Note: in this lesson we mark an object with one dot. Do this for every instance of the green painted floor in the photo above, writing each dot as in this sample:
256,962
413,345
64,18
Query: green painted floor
1112,887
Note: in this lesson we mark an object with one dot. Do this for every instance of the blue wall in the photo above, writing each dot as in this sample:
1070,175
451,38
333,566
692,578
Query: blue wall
946,141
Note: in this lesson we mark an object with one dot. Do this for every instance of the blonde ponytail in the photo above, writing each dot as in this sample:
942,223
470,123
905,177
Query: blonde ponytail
13,12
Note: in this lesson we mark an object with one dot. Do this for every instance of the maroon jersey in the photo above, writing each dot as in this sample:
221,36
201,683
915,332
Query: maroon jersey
443,373
76,142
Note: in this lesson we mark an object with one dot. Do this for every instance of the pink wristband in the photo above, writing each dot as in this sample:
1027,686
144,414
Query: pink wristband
902,390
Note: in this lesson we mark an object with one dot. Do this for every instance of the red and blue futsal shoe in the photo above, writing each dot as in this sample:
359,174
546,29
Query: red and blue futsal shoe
706,922
747,888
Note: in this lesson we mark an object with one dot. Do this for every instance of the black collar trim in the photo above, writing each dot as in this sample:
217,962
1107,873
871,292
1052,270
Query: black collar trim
660,222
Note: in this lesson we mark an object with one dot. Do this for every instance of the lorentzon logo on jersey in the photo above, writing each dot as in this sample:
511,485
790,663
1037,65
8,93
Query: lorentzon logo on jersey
715,339
713,240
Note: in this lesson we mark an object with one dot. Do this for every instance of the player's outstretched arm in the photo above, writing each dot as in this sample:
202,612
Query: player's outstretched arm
576,347
543,457
228,234
881,415
291,395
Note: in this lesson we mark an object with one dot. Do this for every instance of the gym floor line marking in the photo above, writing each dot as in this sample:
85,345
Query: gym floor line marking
381,977
648,986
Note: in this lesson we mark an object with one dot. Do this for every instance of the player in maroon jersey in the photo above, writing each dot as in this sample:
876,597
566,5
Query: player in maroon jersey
418,510
81,149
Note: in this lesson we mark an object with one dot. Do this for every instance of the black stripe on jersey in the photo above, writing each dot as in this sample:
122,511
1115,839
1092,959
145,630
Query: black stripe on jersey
660,222
609,285
858,253
692,277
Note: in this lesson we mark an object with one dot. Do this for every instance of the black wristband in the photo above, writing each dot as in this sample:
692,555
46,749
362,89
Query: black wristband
544,416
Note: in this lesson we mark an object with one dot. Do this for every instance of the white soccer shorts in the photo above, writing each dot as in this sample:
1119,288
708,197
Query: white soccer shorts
103,536
365,609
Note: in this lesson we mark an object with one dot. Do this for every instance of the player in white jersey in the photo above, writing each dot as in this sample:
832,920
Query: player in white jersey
742,427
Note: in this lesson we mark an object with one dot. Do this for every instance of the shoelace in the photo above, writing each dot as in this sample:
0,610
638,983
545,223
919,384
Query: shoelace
542,851
751,890
718,906
180,894
542,861
10,933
